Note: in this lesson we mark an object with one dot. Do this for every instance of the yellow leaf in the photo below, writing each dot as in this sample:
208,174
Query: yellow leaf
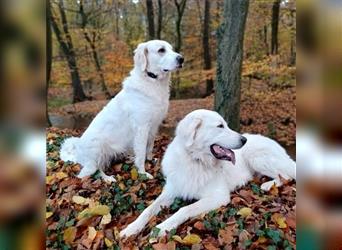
108,242
134,174
84,213
261,240
192,239
97,210
177,238
279,220
122,186
61,175
49,179
79,200
69,234
244,212
48,215
106,219
100,210
116,233
91,233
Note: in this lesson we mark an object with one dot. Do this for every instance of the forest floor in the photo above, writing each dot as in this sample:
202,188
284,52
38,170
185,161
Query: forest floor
89,213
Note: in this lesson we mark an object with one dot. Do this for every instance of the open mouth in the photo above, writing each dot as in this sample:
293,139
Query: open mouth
222,153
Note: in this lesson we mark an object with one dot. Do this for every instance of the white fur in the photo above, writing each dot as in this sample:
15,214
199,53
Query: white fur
130,121
192,172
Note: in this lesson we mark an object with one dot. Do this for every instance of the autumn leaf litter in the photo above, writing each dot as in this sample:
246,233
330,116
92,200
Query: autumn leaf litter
89,213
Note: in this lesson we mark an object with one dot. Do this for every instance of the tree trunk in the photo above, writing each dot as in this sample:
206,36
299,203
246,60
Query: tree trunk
117,19
275,24
92,44
48,57
206,46
160,18
265,40
180,6
150,19
68,50
293,42
229,61
100,72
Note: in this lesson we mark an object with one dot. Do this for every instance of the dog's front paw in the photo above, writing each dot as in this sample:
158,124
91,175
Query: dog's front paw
129,231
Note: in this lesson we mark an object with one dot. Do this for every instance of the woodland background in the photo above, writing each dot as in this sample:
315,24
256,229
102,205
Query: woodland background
91,48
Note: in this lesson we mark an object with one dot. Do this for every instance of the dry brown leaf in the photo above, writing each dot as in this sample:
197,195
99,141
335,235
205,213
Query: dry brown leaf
199,225
225,236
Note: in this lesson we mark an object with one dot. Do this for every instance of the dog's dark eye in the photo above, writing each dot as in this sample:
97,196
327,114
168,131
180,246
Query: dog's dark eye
161,50
220,126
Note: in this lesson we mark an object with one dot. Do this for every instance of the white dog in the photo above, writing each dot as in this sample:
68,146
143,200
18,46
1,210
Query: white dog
130,121
200,164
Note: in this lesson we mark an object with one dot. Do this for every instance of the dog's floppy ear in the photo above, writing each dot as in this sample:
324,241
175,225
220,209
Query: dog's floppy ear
187,128
140,57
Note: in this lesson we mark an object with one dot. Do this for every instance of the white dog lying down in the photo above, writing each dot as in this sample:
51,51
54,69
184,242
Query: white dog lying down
130,121
200,164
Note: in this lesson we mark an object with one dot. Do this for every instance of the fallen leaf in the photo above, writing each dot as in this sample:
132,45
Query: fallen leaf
49,179
108,242
48,215
226,236
134,174
96,210
69,234
160,246
177,238
262,240
91,233
244,212
190,239
79,200
199,225
106,219
279,220
274,190
122,186
61,175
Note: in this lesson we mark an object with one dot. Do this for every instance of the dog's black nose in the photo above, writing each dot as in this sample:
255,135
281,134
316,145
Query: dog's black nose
180,59
243,140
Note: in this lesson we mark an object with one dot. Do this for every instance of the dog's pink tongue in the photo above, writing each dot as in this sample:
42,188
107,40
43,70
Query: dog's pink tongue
229,154
226,152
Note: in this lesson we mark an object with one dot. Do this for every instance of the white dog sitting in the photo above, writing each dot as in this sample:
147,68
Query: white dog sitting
200,164
130,121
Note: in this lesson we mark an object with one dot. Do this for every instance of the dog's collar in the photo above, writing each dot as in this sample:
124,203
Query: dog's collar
150,74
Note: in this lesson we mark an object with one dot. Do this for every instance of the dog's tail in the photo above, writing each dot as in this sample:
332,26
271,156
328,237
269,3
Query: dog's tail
69,149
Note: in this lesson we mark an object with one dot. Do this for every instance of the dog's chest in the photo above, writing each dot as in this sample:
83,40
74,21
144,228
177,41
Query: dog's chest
190,183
